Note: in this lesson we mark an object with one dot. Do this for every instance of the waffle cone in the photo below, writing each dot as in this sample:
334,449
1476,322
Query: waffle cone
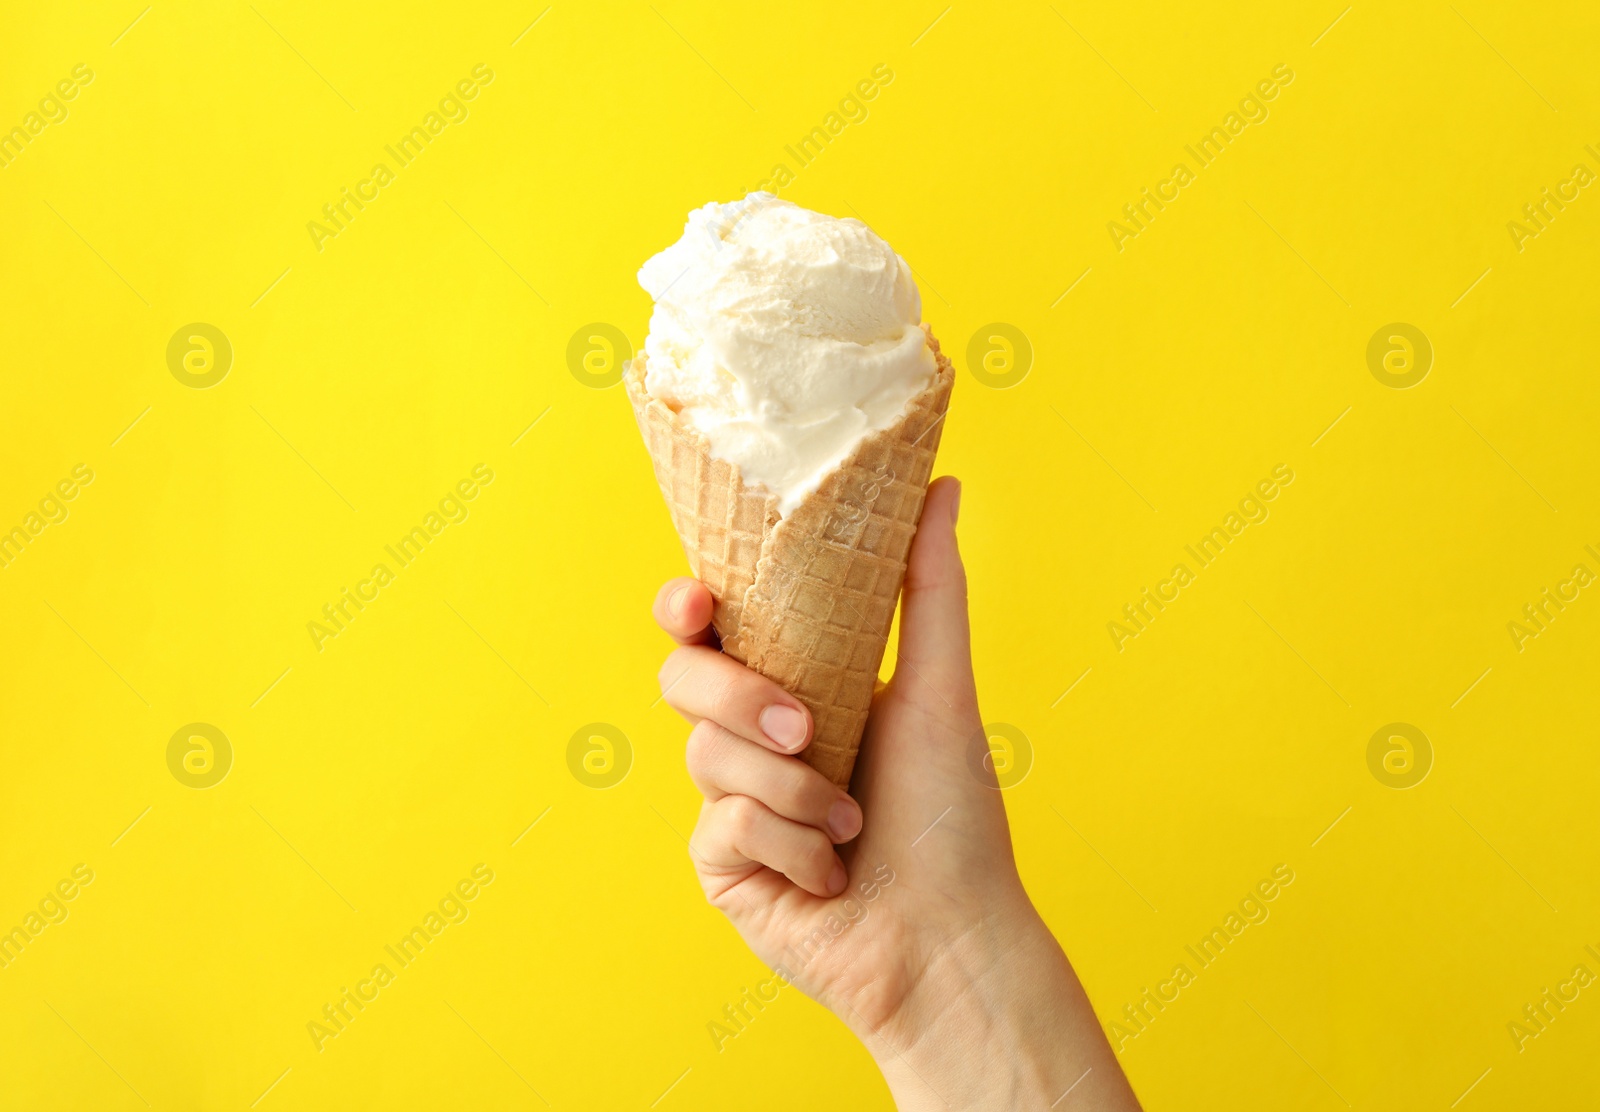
806,600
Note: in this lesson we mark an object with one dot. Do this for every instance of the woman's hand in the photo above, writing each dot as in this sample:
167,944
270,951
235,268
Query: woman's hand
916,930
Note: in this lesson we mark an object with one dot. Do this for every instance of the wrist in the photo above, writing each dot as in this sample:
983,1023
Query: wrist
981,1027
998,1021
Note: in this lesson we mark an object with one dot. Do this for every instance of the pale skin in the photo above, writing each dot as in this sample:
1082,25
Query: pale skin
946,973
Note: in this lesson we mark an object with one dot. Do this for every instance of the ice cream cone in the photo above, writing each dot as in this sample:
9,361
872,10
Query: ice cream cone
807,599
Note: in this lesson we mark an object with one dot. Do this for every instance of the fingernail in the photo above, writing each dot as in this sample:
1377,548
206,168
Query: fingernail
784,725
955,504
836,879
675,601
844,820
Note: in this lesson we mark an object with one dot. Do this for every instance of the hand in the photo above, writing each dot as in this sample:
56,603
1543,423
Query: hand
917,933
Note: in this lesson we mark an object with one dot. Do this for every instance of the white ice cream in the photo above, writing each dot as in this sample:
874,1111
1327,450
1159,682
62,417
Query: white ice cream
784,336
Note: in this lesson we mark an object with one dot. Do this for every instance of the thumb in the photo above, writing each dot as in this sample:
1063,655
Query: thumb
935,638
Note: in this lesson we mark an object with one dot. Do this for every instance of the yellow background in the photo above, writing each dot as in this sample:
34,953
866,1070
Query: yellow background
1224,340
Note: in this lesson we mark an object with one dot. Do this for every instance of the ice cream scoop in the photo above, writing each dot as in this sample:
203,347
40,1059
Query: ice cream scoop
785,337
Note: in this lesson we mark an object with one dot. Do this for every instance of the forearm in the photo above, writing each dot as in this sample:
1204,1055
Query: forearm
1001,1022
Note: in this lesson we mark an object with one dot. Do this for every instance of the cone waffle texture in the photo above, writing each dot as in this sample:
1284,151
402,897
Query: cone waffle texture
806,600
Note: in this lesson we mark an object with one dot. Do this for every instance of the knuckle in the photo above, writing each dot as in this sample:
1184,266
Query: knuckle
804,791
743,816
698,843
723,692
675,668
703,749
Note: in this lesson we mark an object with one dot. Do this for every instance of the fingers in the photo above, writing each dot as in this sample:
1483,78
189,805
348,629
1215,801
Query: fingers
737,830
723,764
700,682
934,635
683,609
